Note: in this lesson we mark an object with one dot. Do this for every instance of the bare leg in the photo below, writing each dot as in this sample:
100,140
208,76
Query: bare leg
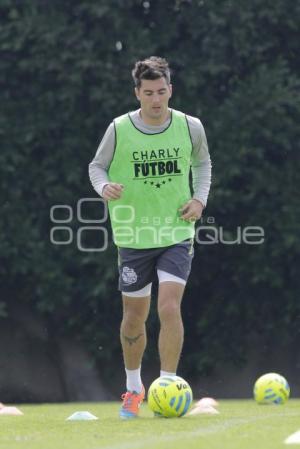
133,330
171,331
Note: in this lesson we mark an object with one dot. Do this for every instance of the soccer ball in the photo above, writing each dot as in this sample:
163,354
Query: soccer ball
271,388
170,396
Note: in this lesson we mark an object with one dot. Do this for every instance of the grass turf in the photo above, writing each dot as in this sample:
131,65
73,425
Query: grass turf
240,425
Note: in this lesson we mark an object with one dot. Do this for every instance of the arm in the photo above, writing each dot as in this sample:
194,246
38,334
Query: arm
201,171
201,162
100,164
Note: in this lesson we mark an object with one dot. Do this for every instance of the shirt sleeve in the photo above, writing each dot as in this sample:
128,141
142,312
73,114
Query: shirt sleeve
201,162
100,164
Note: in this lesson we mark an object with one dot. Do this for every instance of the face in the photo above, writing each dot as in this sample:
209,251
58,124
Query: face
154,96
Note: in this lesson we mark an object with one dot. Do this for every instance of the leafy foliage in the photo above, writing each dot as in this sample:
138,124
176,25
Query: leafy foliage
65,73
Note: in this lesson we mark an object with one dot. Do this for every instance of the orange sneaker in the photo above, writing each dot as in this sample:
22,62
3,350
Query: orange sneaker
131,404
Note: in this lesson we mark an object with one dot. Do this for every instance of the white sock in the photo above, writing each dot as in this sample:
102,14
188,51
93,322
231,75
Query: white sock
133,380
167,373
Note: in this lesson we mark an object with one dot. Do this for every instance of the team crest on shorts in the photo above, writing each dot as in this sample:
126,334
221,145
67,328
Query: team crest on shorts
129,276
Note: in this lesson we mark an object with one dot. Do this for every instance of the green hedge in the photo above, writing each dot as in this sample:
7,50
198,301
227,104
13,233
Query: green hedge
65,73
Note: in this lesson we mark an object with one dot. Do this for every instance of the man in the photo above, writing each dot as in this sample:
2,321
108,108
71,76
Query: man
142,169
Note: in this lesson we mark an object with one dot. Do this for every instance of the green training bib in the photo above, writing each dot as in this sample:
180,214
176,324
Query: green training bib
154,169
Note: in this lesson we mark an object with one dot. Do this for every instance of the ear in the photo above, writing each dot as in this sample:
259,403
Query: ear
171,89
136,91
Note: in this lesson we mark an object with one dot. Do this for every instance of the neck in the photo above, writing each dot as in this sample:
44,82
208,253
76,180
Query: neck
155,121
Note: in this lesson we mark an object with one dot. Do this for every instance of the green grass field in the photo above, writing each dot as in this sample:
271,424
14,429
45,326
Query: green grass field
240,425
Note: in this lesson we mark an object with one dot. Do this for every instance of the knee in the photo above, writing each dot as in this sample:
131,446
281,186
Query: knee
133,318
169,311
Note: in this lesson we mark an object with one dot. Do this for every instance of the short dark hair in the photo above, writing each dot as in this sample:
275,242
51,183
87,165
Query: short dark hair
151,69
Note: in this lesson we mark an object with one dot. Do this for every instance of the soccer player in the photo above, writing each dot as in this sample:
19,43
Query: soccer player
142,169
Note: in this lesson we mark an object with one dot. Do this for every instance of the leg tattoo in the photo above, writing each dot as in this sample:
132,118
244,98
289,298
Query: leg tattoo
132,340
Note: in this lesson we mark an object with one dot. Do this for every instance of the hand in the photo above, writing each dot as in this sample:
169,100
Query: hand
192,210
112,191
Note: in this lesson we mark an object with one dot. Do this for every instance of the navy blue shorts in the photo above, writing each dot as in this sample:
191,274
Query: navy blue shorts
138,267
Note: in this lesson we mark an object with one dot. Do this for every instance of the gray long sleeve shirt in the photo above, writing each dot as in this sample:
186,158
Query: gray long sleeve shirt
200,164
